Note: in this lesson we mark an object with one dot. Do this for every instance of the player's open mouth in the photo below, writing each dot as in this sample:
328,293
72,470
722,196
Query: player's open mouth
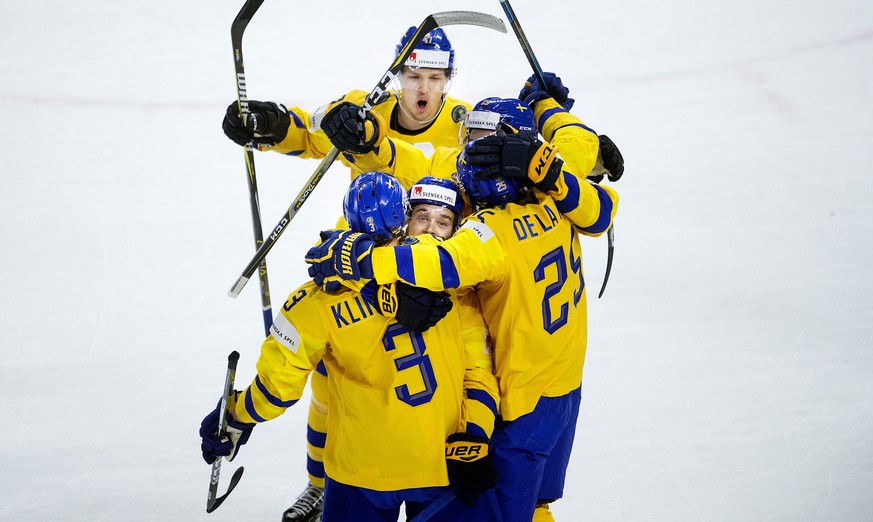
422,105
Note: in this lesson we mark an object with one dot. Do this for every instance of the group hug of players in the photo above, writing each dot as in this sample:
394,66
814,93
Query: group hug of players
445,325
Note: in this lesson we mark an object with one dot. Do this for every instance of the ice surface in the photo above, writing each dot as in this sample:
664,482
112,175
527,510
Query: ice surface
729,367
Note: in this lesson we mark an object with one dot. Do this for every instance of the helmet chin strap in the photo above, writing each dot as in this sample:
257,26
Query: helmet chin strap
409,115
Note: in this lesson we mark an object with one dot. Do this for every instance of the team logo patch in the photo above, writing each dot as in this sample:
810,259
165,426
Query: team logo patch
458,113
482,230
429,59
434,193
285,333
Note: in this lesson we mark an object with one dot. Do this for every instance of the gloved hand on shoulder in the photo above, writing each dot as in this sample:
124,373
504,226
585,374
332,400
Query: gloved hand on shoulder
520,155
415,308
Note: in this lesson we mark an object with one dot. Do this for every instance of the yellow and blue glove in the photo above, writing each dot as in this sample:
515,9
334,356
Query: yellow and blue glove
342,256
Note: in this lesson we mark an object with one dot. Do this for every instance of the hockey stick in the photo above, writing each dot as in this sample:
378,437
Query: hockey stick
429,24
237,29
212,502
538,71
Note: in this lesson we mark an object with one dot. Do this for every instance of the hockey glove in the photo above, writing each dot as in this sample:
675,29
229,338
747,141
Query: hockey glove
519,155
237,434
346,131
612,158
267,124
470,466
417,309
533,91
343,254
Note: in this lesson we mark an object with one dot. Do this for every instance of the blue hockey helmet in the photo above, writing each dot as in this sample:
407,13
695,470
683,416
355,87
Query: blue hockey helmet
490,112
437,191
434,51
376,204
486,193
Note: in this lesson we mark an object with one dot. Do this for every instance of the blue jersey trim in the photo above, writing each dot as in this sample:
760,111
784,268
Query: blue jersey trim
314,468
448,270
315,438
275,401
250,408
405,268
603,221
483,397
571,200
297,121
577,124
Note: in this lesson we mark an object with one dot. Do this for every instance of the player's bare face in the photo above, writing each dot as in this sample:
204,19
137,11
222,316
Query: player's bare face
431,219
422,96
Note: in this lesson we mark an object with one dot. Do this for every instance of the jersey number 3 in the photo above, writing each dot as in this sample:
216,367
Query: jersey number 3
417,359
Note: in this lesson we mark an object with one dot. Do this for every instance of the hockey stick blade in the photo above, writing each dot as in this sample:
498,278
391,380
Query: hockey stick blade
430,23
610,236
469,18
212,505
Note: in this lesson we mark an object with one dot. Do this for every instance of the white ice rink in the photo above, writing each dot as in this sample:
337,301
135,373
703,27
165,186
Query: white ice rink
729,373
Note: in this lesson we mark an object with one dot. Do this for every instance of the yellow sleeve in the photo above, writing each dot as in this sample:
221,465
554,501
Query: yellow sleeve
404,161
577,143
481,393
590,207
305,139
472,255
296,343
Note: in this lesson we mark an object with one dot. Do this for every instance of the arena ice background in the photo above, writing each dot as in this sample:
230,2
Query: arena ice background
729,368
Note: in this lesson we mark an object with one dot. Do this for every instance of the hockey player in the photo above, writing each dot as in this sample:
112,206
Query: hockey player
418,112
521,252
437,384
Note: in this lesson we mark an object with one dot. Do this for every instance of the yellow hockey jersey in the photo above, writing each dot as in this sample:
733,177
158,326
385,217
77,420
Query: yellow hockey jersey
525,263
305,138
395,395
577,145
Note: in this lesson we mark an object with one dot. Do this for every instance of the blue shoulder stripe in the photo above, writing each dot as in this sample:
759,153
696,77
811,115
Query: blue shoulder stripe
483,397
272,399
405,268
448,270
604,218
571,200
